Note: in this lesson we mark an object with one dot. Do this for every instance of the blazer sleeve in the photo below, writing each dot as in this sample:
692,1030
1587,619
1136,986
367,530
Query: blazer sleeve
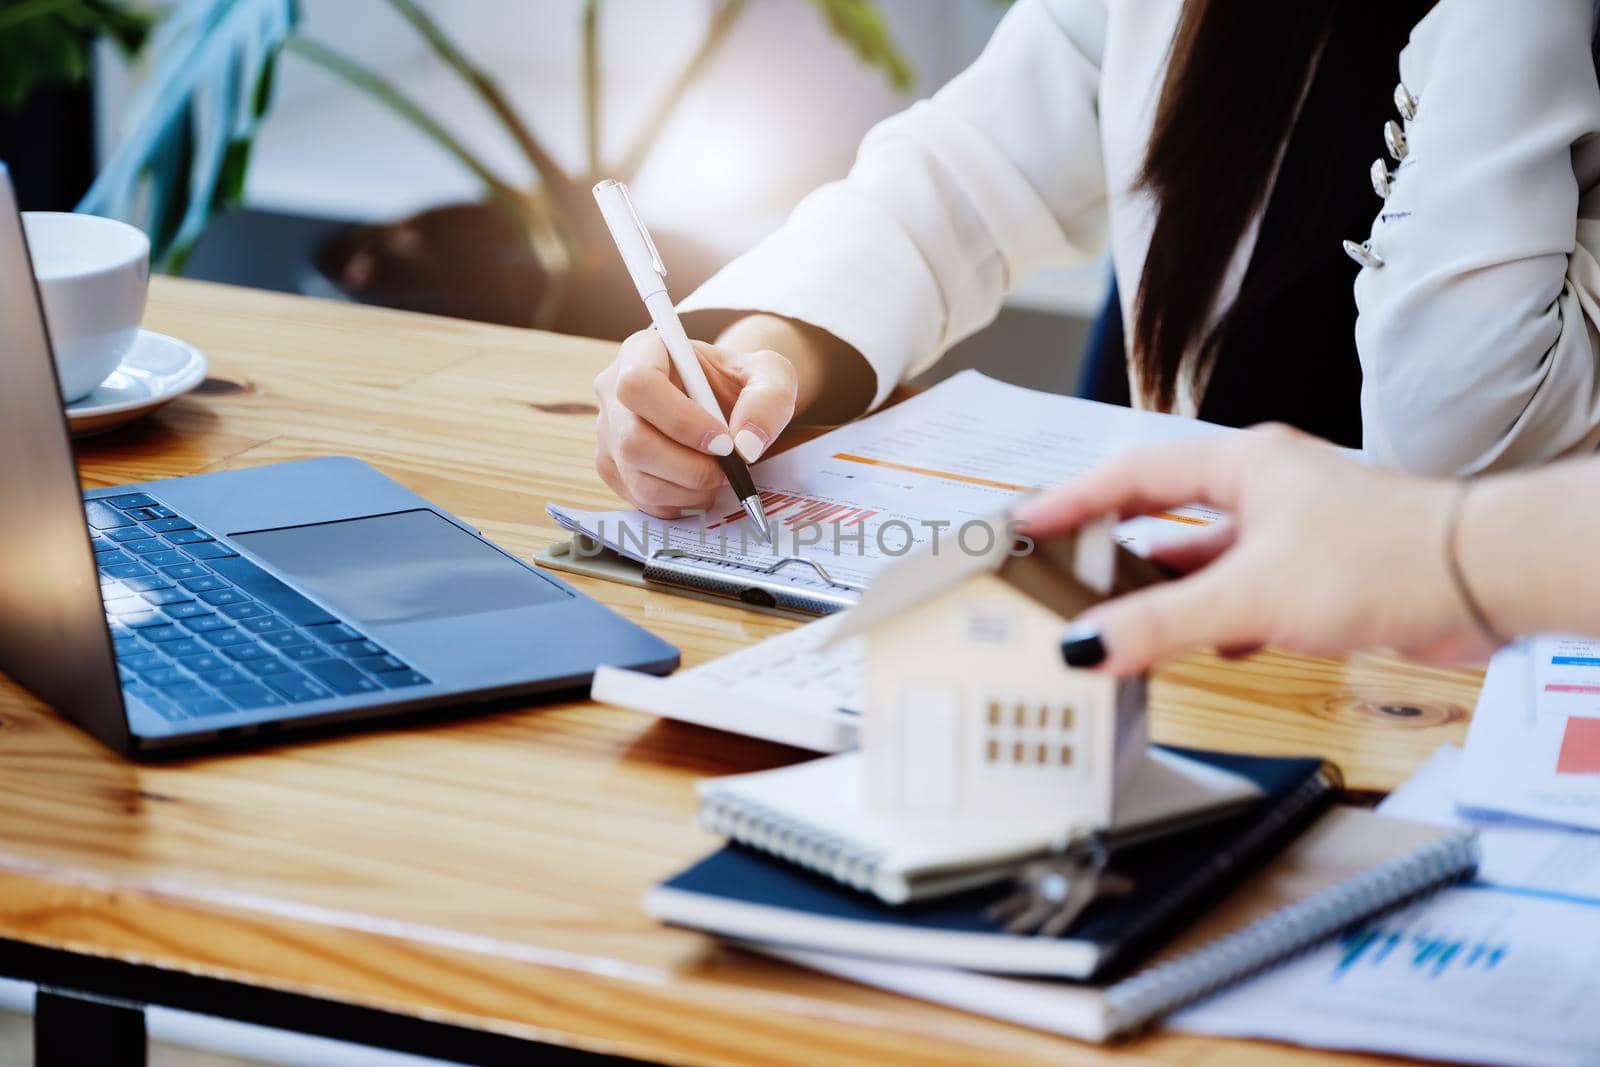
949,204
1477,334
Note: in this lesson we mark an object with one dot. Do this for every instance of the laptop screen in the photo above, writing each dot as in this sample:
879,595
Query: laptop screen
53,633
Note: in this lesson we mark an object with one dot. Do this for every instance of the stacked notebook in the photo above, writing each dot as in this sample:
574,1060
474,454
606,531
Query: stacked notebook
1245,866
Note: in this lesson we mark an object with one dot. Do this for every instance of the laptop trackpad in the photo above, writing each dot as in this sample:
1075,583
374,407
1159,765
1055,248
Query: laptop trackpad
407,567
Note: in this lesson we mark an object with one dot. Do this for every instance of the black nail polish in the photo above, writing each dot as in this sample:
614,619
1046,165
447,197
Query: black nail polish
1082,647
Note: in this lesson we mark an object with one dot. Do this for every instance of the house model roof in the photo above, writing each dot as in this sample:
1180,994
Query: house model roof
1067,574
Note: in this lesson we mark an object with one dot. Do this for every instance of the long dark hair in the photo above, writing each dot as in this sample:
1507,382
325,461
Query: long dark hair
1234,89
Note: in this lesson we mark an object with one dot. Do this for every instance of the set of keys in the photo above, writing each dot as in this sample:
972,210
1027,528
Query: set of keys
1054,892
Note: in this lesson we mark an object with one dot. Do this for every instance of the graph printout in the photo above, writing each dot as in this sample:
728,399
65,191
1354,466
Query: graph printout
1534,747
928,472
1499,970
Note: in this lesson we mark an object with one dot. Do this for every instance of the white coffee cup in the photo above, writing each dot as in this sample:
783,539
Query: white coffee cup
94,274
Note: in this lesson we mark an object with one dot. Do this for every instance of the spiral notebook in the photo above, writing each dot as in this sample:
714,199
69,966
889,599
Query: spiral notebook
1349,865
813,815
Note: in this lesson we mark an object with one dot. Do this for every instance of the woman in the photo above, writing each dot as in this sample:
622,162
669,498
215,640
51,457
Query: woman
1324,555
1224,149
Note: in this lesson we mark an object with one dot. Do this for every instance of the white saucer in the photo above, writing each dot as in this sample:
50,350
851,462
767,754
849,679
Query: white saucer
157,370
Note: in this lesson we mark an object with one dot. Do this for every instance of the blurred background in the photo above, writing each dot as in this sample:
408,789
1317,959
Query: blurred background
437,155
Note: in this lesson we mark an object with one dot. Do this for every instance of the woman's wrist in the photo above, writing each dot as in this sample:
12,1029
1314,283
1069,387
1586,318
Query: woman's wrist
1486,554
834,383
1466,588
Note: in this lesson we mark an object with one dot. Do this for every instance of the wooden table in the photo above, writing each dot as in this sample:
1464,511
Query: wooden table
463,888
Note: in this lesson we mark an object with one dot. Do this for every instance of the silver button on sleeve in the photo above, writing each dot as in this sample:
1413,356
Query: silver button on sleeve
1404,102
1380,178
1394,139
1363,254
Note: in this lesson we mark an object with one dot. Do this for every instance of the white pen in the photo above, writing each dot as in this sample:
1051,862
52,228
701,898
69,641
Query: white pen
649,275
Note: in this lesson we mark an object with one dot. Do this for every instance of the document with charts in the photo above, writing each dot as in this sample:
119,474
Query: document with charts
925,472
1534,746
1498,970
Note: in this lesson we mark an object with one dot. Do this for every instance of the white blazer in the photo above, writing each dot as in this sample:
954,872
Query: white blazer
1477,333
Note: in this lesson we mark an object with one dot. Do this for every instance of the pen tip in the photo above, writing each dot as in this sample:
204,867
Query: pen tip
758,516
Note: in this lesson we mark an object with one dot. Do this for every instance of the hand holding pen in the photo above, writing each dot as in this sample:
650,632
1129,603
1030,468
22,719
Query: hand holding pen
676,449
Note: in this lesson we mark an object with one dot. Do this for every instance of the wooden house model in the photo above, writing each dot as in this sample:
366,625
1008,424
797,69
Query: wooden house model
971,712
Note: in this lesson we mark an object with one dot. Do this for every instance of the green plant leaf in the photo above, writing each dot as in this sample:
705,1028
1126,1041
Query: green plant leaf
49,42
861,25
192,121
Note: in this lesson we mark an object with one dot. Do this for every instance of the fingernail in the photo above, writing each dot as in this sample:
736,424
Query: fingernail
1081,646
750,445
718,444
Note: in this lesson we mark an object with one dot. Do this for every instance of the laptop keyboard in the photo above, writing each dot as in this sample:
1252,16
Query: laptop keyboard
199,630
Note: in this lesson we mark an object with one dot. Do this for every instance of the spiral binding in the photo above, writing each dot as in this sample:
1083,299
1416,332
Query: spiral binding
770,831
1168,986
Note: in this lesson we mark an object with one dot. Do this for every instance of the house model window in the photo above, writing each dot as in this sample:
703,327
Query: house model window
970,710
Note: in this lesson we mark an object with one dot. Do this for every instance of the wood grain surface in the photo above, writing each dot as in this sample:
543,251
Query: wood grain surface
488,869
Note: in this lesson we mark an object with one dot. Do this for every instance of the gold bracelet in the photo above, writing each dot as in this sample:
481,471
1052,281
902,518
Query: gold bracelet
1458,576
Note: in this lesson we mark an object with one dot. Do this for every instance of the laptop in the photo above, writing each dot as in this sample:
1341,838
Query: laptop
177,615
